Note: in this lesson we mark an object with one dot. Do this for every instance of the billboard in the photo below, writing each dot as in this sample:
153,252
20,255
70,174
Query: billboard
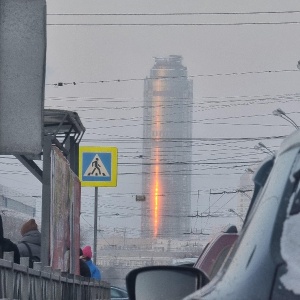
22,76
64,215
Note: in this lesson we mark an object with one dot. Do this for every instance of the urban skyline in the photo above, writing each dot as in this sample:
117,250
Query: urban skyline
236,86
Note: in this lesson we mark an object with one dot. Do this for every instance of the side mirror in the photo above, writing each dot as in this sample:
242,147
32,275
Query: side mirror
164,282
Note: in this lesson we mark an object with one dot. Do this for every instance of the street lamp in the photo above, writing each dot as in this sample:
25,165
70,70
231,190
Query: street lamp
263,148
280,113
233,211
244,193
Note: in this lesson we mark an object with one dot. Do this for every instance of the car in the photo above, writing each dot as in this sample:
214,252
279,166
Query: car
263,262
204,268
215,252
118,293
188,261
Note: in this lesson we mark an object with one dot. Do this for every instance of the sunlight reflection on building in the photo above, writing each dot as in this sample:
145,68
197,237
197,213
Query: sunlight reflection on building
167,149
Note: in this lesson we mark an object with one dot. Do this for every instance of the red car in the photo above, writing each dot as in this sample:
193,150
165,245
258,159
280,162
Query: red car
215,252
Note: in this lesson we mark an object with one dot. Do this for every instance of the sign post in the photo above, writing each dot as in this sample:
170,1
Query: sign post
97,168
95,224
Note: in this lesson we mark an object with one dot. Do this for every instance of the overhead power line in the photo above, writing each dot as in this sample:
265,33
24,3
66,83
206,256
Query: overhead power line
59,84
208,99
222,139
176,13
175,24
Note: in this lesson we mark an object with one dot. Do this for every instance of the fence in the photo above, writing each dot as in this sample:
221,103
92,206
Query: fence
18,281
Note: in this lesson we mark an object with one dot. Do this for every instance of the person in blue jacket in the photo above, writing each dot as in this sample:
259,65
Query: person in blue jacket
87,255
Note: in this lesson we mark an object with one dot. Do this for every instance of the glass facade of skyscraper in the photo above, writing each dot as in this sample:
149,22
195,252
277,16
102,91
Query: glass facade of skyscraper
167,149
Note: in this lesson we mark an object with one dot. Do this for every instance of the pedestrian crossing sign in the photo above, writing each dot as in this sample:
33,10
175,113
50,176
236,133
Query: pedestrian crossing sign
98,166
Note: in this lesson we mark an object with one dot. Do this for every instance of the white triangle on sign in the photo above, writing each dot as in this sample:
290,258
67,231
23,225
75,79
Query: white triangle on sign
96,168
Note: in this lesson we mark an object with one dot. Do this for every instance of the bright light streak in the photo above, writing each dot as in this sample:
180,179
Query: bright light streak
157,134
156,203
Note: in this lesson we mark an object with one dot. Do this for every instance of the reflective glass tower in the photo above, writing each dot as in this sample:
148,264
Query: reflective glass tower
167,149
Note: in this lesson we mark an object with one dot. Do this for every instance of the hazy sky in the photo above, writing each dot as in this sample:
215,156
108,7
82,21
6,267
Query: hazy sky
241,70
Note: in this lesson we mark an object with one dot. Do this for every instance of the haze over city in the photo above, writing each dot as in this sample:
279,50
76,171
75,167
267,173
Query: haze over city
242,58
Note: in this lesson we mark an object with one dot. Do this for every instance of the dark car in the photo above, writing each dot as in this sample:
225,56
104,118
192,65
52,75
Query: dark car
264,261
118,293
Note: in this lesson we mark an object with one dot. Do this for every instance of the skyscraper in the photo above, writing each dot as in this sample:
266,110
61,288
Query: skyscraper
167,149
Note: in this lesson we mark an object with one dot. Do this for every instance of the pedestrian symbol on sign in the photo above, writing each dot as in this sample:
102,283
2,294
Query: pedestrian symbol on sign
96,168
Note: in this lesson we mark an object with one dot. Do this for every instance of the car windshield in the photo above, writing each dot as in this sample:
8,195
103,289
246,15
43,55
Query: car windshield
289,244
118,293
260,179
266,206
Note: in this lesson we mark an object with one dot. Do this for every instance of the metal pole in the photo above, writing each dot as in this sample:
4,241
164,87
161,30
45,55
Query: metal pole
95,225
233,211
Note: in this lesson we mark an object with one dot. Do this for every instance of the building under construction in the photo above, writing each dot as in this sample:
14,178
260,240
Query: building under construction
167,150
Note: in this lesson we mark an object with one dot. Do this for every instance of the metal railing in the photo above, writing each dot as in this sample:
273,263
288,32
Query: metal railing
18,281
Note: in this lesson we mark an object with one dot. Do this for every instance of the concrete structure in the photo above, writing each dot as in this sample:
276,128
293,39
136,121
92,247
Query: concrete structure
15,209
117,257
167,150
22,76
16,202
